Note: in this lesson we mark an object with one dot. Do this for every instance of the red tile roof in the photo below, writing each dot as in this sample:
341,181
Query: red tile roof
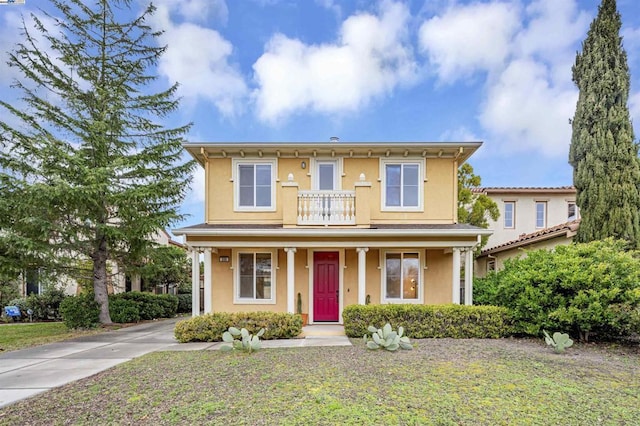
567,229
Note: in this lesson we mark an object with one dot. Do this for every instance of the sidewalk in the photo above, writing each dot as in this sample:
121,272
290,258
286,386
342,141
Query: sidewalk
27,372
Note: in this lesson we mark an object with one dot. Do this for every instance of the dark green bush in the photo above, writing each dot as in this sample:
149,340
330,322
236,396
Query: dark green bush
209,327
123,310
427,321
151,306
579,288
184,303
80,311
45,306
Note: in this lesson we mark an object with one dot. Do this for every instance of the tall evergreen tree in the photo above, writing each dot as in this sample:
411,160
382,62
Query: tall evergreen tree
89,171
604,156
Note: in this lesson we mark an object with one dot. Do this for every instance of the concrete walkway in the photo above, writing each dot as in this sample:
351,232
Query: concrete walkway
27,372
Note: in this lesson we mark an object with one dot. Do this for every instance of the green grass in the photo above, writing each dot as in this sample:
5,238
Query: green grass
24,335
441,382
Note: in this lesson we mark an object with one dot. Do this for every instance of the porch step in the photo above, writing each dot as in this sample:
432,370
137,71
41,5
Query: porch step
322,330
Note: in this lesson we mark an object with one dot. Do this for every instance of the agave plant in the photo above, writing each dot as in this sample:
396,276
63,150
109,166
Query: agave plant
241,340
386,338
559,341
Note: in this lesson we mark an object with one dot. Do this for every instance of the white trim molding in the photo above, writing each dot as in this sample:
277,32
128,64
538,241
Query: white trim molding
235,178
237,300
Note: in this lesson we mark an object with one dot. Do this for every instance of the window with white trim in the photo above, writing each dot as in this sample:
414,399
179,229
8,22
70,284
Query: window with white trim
402,185
509,214
402,278
541,214
255,278
254,185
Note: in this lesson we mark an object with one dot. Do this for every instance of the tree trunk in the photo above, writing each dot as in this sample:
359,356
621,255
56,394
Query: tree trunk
100,281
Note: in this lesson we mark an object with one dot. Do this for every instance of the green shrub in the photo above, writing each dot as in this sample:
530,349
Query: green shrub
45,306
427,321
80,311
582,288
210,327
184,303
151,306
123,310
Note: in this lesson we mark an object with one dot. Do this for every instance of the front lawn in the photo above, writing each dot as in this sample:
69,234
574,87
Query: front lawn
442,381
23,335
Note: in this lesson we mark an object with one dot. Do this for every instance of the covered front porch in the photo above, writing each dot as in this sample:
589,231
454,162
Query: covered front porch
324,270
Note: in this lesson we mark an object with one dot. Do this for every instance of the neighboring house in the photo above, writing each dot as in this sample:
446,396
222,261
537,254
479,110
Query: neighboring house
338,223
118,282
493,258
530,218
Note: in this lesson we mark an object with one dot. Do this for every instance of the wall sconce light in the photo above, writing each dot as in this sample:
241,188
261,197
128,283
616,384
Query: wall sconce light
223,258
303,165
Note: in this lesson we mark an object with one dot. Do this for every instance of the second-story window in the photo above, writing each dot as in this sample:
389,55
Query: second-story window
541,214
509,214
402,186
572,211
254,184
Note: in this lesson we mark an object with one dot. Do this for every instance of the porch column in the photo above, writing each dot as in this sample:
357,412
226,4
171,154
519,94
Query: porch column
291,253
207,281
195,282
456,276
468,277
362,274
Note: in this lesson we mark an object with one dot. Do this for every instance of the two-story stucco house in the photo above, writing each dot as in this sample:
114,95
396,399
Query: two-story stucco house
338,223
530,218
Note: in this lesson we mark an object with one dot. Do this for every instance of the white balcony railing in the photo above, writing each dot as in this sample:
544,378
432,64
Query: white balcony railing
326,207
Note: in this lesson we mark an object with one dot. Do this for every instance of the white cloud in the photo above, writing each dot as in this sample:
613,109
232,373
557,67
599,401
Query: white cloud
459,134
469,38
199,58
371,57
195,195
524,111
196,10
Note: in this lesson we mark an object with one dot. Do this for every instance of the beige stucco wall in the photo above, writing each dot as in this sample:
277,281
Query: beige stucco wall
438,190
438,277
525,214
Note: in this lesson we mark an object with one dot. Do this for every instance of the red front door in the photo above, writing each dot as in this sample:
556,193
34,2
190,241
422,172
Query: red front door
326,288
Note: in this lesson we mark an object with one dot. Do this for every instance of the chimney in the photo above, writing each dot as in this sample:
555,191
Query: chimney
334,139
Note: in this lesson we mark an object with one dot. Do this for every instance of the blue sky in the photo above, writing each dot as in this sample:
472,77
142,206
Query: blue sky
431,70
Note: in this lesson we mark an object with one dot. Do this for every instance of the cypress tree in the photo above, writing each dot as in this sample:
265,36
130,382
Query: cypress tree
89,171
604,156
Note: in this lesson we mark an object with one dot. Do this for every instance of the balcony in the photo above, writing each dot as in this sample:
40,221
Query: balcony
326,208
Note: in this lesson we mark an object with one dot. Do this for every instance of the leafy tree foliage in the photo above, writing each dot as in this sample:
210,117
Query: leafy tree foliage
166,265
89,170
580,288
474,209
606,169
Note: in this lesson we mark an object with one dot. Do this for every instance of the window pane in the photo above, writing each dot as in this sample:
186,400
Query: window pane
263,174
393,174
571,213
393,196
540,214
263,276
410,185
410,275
393,270
246,275
393,185
325,177
263,196
246,189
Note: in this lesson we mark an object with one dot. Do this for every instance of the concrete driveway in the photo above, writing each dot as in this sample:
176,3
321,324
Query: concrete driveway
27,372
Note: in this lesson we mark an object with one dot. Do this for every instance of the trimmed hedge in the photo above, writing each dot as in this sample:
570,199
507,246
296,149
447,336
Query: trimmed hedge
209,327
429,321
184,303
80,311
151,306
123,310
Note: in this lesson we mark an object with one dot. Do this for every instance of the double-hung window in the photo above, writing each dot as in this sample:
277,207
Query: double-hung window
254,185
541,214
402,279
255,281
572,211
509,214
402,189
